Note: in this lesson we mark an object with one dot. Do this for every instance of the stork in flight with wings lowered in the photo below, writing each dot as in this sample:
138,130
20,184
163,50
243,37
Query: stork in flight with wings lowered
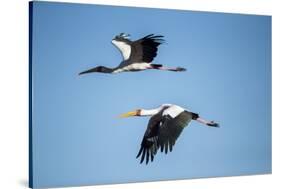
164,128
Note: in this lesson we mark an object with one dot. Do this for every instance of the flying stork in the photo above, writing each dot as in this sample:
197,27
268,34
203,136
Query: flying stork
137,55
164,127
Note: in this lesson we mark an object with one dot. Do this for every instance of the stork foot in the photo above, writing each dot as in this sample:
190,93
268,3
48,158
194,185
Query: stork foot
213,124
180,69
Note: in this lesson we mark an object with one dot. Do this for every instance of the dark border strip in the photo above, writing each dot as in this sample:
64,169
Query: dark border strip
30,174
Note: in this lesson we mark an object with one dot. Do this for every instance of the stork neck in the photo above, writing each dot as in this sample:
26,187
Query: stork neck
150,112
104,69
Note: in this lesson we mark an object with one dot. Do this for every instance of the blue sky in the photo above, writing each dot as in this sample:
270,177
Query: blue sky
78,138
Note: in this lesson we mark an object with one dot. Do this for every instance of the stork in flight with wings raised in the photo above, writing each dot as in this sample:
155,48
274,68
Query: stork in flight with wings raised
137,55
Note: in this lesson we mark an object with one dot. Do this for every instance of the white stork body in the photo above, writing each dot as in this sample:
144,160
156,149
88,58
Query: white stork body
134,67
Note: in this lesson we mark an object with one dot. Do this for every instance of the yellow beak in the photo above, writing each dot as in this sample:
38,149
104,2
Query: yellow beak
128,114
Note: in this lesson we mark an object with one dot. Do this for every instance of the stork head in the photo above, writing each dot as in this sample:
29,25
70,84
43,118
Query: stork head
131,113
122,37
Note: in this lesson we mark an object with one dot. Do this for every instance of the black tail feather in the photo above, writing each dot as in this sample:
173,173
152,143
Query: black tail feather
155,66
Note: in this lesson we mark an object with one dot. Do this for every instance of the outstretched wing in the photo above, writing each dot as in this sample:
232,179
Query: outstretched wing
145,49
162,132
149,145
123,47
171,129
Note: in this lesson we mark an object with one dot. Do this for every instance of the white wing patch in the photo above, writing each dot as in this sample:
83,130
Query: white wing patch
173,111
124,48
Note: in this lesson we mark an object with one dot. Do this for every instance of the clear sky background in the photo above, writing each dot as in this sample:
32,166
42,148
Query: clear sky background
78,138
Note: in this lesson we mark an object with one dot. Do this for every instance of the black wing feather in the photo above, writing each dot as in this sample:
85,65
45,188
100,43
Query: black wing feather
140,151
145,49
143,155
171,129
149,142
162,132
